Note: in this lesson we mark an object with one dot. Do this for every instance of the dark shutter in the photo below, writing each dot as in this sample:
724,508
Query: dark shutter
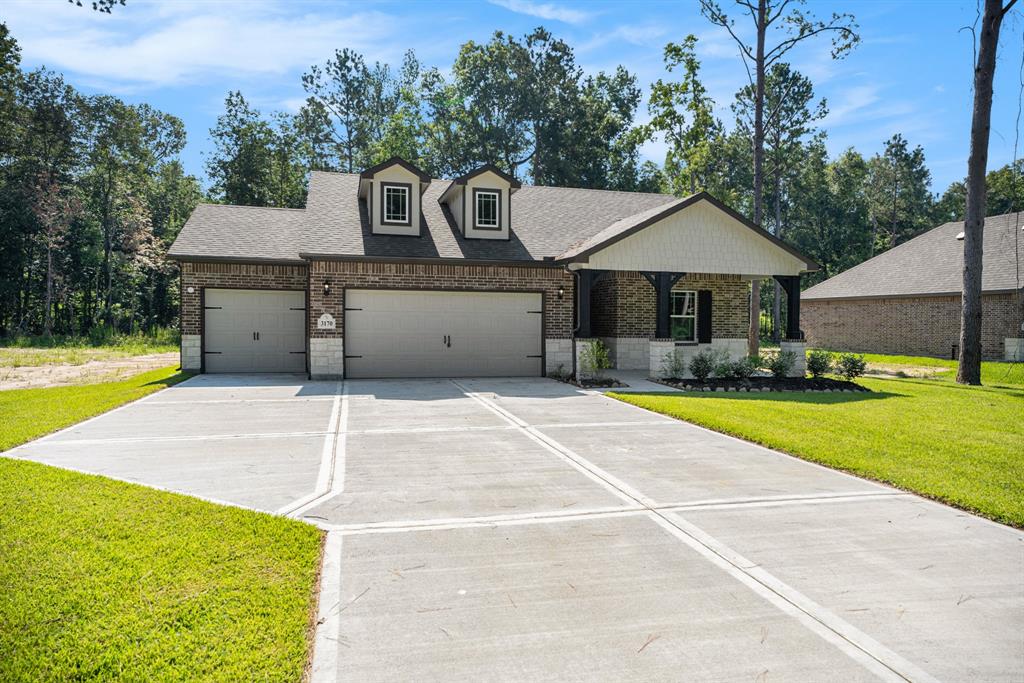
704,316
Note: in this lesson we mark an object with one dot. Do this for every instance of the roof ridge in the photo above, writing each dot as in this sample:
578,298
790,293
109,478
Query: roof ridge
249,206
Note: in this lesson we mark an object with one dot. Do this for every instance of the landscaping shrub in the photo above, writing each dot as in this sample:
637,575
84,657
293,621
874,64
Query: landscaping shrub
851,365
704,363
744,368
819,362
673,365
780,364
594,359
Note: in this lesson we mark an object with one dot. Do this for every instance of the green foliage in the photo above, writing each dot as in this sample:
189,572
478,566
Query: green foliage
819,362
901,434
704,364
780,364
108,580
741,368
899,198
851,365
594,359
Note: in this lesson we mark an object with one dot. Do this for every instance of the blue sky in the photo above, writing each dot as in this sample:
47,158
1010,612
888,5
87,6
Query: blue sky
911,74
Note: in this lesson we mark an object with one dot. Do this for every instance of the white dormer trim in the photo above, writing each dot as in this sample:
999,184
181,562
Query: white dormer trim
392,178
463,195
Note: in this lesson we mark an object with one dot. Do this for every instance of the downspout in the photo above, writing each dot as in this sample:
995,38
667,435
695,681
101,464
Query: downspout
576,317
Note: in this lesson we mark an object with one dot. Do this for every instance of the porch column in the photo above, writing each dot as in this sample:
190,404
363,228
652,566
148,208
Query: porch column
663,283
791,283
584,287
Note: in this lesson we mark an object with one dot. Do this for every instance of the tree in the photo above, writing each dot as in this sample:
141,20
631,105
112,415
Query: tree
256,162
682,113
55,209
1004,194
900,201
788,98
348,107
791,29
969,368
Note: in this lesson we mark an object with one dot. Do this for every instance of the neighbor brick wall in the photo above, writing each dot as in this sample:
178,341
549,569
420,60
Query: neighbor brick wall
623,304
558,313
918,326
231,275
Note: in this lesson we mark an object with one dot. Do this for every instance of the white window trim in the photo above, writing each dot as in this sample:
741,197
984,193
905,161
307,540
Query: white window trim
672,316
391,218
478,195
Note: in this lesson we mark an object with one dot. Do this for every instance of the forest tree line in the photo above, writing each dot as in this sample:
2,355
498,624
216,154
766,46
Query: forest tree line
92,191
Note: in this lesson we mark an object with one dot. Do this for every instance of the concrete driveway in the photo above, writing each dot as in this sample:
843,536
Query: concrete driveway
519,529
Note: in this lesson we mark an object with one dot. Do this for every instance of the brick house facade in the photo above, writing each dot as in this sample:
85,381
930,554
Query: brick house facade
401,273
916,326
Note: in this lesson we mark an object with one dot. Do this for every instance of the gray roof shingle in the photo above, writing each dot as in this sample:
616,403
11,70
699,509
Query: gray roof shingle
243,233
931,264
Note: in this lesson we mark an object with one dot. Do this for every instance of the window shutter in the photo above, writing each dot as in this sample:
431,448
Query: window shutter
704,316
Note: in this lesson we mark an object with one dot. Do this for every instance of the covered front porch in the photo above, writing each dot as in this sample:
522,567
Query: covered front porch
644,316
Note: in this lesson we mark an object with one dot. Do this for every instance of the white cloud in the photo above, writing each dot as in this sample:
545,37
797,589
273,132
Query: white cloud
544,10
162,44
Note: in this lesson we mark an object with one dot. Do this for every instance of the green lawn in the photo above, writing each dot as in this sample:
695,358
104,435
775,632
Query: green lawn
36,351
961,445
992,373
102,580
31,413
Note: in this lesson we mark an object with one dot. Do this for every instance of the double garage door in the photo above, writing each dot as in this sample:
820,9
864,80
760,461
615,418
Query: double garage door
254,330
393,333
388,333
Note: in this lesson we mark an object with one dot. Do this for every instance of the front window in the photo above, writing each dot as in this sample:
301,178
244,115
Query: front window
486,209
396,204
683,316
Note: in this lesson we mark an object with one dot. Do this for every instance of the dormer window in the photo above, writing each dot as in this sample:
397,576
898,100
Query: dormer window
395,199
488,209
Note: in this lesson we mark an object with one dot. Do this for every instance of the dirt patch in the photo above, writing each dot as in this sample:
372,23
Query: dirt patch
91,372
919,372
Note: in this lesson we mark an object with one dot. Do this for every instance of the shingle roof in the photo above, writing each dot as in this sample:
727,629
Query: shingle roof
244,233
548,223
931,264
545,222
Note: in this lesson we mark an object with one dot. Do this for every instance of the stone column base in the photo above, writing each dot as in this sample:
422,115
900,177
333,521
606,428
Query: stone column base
192,352
558,356
327,358
799,349
659,350
1013,349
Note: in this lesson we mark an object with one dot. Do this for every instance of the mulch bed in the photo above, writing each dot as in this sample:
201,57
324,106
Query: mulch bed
823,384
593,382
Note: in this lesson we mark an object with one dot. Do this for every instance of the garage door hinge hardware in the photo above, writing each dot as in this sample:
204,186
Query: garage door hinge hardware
302,352
216,353
537,356
353,309
213,308
299,308
538,312
353,356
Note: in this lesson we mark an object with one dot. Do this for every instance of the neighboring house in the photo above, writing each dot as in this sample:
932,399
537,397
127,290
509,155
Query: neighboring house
907,300
389,273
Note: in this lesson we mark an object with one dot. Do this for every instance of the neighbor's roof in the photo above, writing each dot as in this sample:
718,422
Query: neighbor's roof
240,233
931,264
548,224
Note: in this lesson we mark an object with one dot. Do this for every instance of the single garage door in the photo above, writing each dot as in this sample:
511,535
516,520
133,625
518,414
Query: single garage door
254,330
392,333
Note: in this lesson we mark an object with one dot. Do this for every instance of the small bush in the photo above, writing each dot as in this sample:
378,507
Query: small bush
704,363
851,365
819,362
559,373
780,364
744,368
594,359
673,365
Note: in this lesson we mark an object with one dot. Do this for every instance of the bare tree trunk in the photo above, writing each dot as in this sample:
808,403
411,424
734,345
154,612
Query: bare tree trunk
969,370
754,331
777,294
48,310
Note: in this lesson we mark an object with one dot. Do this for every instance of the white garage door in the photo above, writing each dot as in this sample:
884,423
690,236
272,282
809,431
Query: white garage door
442,334
254,330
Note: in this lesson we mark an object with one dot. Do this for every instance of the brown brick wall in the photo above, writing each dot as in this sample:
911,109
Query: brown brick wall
231,275
558,313
623,304
919,326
